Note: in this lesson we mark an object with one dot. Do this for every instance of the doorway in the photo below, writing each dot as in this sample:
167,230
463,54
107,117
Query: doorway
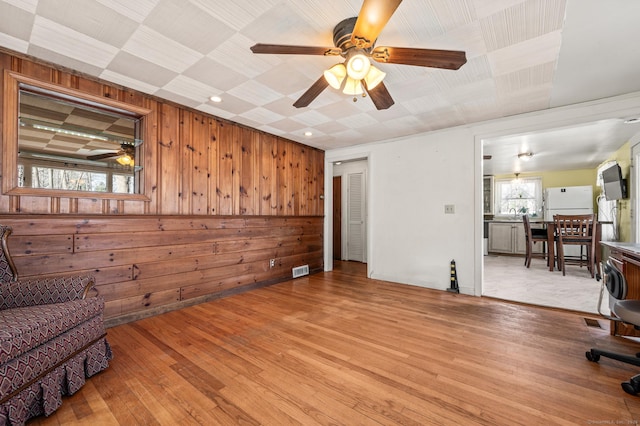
350,211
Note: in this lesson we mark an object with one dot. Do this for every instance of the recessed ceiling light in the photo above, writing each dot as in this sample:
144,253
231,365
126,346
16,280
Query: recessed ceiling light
308,133
525,156
215,99
632,120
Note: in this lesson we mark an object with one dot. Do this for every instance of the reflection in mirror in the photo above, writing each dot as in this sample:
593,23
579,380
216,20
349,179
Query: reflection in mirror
67,143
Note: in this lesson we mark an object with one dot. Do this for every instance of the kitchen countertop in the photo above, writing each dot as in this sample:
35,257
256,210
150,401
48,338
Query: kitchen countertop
633,248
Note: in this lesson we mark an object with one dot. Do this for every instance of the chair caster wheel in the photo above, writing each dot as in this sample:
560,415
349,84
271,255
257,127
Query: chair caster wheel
629,388
593,357
632,387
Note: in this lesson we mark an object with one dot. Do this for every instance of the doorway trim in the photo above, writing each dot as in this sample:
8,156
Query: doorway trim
329,159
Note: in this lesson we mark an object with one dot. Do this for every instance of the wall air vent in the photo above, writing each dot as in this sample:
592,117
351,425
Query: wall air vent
299,271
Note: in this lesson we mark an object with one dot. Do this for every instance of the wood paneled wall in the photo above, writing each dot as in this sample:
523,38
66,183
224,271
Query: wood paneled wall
223,199
149,264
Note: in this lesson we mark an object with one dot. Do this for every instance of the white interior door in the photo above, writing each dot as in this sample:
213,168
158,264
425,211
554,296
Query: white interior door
356,218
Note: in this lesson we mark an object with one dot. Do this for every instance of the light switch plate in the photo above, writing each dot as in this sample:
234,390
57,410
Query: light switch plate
449,208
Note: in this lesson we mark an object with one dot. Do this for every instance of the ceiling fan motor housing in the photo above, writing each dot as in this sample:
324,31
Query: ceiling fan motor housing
342,34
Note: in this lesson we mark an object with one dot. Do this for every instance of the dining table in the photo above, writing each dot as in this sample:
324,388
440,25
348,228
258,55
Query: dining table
596,253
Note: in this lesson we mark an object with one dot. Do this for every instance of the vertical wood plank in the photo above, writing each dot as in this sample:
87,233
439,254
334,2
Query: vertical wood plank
268,175
188,137
199,149
285,184
169,155
247,190
225,169
213,165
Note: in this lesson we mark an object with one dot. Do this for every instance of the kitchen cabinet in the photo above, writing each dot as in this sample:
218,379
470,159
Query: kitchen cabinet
508,237
487,194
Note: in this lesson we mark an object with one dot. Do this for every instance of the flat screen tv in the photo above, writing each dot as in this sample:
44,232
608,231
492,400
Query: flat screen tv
615,188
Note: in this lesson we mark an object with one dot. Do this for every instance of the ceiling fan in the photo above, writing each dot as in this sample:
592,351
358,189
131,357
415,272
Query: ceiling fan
354,40
124,156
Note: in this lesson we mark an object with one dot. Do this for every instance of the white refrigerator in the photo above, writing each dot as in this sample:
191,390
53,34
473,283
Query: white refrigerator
568,200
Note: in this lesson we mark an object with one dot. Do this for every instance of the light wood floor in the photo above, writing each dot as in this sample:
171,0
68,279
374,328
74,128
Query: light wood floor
336,348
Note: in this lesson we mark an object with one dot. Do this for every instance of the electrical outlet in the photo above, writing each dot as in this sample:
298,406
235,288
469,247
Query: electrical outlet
449,209
272,263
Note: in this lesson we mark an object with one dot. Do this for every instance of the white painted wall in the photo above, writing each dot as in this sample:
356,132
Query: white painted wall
411,239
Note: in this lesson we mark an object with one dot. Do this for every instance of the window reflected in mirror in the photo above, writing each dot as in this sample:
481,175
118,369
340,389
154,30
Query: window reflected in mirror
66,143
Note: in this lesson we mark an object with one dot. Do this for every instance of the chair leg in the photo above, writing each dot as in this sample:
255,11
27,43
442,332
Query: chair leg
632,387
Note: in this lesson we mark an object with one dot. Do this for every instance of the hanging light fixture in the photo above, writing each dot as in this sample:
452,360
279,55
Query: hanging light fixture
353,73
357,65
335,75
125,160
352,87
374,77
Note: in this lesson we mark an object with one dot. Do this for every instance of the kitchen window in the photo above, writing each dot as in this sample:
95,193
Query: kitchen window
515,197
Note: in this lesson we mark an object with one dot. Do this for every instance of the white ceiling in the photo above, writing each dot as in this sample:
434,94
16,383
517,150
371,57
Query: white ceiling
523,56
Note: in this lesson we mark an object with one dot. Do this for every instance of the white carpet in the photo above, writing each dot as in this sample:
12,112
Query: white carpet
506,277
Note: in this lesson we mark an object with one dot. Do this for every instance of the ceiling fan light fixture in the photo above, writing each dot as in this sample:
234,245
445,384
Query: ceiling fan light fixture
374,77
353,87
125,160
358,66
335,75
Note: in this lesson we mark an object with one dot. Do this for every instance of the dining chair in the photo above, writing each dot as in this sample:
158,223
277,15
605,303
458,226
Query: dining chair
533,236
576,230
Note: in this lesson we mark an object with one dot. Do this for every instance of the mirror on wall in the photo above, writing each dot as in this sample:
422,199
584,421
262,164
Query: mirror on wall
65,144
62,142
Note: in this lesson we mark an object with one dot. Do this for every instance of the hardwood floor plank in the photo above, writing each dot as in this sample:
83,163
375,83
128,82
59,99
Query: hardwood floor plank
340,349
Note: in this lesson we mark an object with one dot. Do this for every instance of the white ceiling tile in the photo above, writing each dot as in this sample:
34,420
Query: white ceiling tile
271,130
159,49
218,112
255,93
485,8
137,10
310,118
358,120
287,125
453,13
408,28
13,43
526,78
522,22
128,82
68,42
235,14
190,88
262,115
423,104
527,54
137,68
92,19
15,22
236,54
291,28
189,25
28,5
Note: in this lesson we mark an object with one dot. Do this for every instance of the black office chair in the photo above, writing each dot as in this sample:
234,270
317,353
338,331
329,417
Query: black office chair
627,311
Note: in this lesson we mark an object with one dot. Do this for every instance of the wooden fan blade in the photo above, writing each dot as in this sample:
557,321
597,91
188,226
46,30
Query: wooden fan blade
284,49
311,93
373,16
448,59
103,156
380,96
